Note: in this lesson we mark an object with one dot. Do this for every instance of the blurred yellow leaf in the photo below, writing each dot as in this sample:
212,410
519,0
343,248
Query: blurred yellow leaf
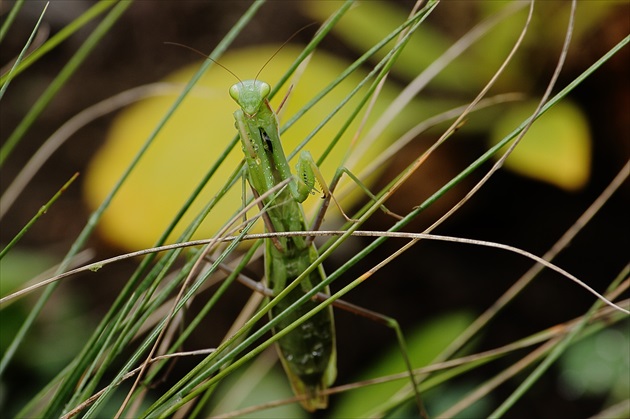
556,149
195,136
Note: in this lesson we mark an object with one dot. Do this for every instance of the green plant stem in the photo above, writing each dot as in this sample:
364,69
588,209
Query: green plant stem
9,20
223,45
18,60
100,31
37,216
63,76
556,352
61,36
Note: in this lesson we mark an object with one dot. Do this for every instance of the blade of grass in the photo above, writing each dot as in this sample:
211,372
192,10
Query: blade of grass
84,359
69,128
22,53
9,20
558,349
37,216
519,285
62,35
63,76
76,60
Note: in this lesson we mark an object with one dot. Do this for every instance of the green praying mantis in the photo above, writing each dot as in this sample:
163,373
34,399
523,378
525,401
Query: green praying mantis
308,353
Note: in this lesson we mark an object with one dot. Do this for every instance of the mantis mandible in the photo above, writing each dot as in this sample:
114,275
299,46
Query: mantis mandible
308,353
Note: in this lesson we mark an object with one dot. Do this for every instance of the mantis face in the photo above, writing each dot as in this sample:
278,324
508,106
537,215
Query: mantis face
250,95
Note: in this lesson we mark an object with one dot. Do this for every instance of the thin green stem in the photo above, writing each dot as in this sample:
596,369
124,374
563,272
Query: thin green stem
89,44
9,20
27,45
67,31
37,216
64,75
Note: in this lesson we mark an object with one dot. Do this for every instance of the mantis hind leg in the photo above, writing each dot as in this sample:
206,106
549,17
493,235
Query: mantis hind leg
391,323
360,311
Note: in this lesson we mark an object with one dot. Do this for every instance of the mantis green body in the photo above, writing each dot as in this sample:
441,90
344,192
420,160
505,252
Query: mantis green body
307,353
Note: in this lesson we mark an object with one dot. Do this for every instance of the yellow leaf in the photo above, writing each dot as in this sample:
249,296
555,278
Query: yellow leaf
199,131
556,149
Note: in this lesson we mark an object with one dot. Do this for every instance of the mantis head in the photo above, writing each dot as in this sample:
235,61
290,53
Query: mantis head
250,95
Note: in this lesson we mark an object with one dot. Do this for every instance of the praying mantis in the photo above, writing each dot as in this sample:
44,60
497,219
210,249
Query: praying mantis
308,354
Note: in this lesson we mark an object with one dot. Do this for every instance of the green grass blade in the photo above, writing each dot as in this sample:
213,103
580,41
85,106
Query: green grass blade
227,40
65,74
37,216
100,31
556,352
27,45
62,35
9,20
